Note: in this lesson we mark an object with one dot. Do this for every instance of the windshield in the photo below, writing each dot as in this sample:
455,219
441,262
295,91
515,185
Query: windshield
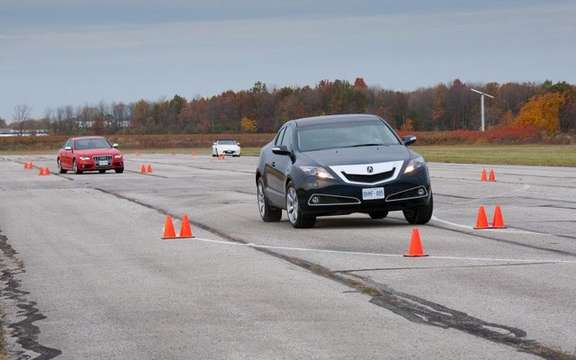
226,142
352,134
96,143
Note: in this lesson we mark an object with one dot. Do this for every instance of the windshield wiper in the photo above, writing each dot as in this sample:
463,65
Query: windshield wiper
359,145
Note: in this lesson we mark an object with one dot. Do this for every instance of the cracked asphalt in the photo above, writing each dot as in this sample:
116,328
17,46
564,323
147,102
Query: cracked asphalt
86,276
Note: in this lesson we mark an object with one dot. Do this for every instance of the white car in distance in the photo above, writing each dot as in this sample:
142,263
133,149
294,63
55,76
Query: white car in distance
226,147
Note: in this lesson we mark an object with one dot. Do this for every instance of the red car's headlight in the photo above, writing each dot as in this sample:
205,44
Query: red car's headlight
84,158
117,157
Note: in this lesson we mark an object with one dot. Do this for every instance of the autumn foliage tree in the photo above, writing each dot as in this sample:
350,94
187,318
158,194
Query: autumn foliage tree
248,125
543,111
451,106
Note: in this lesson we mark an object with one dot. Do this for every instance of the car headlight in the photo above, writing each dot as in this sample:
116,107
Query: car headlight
317,171
414,164
84,158
118,157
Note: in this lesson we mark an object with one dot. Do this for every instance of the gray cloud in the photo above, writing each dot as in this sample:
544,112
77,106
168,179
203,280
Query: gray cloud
81,64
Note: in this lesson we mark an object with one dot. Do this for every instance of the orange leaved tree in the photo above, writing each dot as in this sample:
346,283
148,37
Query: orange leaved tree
543,112
247,124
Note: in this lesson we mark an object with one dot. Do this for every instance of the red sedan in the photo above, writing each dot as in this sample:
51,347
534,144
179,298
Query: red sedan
89,153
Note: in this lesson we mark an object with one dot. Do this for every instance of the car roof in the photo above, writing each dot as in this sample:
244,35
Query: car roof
87,137
333,119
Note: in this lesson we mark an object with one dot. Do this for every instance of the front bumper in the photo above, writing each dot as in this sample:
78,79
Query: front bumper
334,197
91,165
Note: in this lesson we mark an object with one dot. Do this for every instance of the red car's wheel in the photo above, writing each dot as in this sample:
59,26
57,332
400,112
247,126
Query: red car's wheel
75,169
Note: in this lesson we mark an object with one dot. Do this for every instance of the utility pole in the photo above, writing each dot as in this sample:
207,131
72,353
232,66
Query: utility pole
482,116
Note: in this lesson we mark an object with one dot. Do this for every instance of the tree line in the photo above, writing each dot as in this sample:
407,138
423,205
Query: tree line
549,106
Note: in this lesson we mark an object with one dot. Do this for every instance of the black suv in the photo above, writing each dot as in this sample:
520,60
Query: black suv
341,164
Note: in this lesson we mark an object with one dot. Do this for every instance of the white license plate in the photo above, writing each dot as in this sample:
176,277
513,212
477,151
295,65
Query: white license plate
102,163
373,193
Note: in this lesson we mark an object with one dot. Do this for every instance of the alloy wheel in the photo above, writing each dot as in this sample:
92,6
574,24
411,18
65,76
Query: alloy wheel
261,200
292,205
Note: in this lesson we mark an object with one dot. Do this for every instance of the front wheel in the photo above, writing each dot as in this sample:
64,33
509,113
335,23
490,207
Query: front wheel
267,212
101,171
60,169
297,218
75,169
119,171
420,215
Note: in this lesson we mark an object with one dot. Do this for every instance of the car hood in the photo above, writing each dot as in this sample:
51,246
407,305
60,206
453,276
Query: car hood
359,155
227,147
93,152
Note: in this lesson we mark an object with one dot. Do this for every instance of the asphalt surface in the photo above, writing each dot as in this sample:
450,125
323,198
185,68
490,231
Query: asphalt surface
85,274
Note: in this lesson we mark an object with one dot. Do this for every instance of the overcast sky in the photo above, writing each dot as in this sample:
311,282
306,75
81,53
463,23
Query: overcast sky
76,52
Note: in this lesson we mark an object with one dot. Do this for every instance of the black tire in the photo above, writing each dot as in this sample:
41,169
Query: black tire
102,171
119,171
75,168
296,216
377,215
267,212
60,170
420,215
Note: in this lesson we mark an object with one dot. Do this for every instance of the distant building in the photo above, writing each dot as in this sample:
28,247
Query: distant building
13,132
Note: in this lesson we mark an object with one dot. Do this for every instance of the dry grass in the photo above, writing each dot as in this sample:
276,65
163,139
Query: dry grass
541,155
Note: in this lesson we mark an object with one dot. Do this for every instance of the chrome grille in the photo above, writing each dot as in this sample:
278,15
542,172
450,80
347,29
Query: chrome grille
369,179
102,158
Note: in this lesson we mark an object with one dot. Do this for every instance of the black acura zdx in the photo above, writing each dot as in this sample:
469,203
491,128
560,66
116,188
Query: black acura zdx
341,164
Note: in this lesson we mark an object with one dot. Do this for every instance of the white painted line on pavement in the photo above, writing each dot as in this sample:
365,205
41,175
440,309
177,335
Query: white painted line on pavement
345,252
461,226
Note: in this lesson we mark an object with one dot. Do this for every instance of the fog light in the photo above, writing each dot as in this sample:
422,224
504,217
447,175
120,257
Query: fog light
421,191
315,200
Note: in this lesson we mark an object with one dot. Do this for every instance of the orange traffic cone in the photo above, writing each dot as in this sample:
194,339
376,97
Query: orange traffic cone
481,219
194,153
26,165
415,249
492,176
44,171
142,169
169,232
185,229
149,168
498,220
483,176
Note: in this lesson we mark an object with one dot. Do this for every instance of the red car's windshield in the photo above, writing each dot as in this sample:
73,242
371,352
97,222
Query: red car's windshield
96,143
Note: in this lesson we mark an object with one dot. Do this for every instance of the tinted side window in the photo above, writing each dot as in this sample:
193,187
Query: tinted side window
287,140
278,140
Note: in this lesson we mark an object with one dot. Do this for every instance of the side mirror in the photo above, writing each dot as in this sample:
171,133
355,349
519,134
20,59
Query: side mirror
409,140
238,143
115,146
68,148
281,150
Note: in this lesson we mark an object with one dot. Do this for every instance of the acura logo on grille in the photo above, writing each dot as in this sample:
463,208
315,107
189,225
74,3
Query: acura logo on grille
370,169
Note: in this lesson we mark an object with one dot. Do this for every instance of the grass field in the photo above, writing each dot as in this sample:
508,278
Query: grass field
542,155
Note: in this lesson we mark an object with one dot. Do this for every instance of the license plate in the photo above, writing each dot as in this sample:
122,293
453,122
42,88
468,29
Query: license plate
102,163
373,193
